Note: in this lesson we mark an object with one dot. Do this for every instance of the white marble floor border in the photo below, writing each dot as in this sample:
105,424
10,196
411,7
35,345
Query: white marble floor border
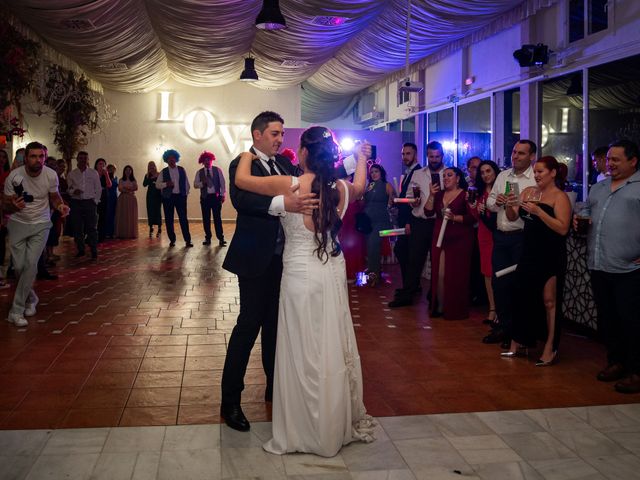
601,442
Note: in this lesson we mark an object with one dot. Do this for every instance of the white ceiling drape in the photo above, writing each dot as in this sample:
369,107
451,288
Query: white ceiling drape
135,45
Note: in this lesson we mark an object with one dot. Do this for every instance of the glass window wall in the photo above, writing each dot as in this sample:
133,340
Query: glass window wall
561,134
614,106
440,128
474,131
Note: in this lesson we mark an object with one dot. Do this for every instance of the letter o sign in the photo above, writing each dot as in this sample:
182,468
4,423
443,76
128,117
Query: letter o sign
190,124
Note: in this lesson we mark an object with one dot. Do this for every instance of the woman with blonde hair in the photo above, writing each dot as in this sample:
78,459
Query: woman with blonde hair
154,199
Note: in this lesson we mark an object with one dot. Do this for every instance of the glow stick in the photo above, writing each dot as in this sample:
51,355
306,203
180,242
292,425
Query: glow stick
395,184
394,232
403,200
506,271
441,235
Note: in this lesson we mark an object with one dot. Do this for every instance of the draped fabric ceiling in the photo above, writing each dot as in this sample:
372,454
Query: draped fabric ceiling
136,45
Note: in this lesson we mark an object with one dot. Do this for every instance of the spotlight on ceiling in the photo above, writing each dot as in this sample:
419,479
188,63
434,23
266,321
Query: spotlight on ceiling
249,73
270,17
530,55
575,87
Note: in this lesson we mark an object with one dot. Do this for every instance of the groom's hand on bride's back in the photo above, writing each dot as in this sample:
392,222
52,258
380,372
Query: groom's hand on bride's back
304,203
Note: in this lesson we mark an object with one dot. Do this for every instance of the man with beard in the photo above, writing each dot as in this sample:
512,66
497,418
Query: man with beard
401,249
29,192
420,226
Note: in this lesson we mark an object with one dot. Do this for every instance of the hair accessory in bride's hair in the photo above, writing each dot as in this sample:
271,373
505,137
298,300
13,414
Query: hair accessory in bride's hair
326,134
332,185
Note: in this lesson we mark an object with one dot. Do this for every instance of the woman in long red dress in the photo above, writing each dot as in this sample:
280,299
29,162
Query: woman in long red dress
451,263
485,178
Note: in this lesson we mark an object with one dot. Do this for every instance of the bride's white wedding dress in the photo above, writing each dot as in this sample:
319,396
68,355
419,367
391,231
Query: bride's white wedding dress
317,394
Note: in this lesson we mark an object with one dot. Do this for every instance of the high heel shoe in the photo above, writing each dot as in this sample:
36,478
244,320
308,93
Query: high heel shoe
372,279
158,233
519,352
553,361
489,321
151,233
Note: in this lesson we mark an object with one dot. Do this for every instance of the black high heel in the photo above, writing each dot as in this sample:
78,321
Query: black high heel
488,321
553,361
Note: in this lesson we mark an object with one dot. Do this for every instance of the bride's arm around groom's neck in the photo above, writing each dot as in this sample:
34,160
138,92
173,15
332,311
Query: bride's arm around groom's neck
270,186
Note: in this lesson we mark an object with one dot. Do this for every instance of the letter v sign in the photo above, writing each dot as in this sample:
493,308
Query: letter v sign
231,134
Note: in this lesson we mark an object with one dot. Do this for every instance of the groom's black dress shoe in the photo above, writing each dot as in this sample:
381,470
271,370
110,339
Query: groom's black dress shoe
234,418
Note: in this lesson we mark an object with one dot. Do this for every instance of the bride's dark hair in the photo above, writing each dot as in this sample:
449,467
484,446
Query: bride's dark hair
323,153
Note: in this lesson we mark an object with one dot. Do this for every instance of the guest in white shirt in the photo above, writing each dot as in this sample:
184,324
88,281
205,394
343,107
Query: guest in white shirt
174,185
85,191
507,239
210,181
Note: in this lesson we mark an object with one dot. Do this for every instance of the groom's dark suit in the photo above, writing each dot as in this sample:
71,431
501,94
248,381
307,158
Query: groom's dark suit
255,255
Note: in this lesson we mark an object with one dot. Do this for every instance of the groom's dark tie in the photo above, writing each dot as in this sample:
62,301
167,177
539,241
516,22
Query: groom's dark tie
272,167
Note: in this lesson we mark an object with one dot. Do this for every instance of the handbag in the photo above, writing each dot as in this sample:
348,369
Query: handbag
363,223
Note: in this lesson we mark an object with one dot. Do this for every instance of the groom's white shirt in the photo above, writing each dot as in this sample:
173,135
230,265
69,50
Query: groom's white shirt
277,203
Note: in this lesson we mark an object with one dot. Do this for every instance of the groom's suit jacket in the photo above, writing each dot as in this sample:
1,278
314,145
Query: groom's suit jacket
254,241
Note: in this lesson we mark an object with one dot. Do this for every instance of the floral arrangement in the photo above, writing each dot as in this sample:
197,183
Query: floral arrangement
76,109
18,65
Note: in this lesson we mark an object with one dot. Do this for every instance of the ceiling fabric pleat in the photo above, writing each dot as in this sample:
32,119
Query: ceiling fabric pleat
335,48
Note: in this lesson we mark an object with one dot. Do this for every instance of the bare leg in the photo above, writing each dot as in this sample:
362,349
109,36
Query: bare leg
492,302
549,297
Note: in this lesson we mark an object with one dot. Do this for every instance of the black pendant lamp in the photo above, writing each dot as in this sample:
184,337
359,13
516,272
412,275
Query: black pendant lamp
249,73
270,17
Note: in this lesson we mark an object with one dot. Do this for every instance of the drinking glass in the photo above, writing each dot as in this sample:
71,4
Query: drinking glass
533,195
583,216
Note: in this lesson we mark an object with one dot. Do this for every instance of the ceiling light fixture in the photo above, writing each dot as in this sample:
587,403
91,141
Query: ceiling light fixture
270,17
249,73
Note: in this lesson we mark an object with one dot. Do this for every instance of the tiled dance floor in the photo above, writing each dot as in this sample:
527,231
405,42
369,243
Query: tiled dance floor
594,443
138,338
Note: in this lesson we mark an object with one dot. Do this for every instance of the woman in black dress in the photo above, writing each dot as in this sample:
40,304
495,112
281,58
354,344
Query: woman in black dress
540,274
154,199
378,198
101,167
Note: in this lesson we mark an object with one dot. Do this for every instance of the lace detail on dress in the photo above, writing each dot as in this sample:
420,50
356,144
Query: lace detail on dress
363,425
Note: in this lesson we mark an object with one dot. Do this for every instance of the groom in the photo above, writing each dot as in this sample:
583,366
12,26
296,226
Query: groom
255,256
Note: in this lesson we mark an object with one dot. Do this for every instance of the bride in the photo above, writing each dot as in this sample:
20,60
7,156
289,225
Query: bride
317,398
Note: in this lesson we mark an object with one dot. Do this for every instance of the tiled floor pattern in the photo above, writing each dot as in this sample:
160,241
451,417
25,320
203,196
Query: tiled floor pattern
138,338
570,443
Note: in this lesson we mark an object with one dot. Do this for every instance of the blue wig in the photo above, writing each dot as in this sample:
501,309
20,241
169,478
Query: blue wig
171,153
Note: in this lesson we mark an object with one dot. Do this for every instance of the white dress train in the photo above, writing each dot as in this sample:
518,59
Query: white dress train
317,394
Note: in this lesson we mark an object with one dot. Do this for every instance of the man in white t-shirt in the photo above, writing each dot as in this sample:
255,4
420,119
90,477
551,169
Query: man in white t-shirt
29,193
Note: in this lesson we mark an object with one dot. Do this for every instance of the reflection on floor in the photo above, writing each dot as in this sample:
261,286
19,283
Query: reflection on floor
566,443
138,338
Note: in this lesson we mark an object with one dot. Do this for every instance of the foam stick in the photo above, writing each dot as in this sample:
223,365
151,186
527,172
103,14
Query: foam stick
441,235
506,271
394,232
395,184
403,200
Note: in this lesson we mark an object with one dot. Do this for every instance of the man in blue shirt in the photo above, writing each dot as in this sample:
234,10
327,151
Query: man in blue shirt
614,261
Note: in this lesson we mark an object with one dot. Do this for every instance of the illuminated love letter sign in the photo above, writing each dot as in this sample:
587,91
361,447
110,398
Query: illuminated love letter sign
190,124
164,107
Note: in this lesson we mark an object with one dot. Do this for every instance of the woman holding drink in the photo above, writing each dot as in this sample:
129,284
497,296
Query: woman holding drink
485,178
540,273
451,261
